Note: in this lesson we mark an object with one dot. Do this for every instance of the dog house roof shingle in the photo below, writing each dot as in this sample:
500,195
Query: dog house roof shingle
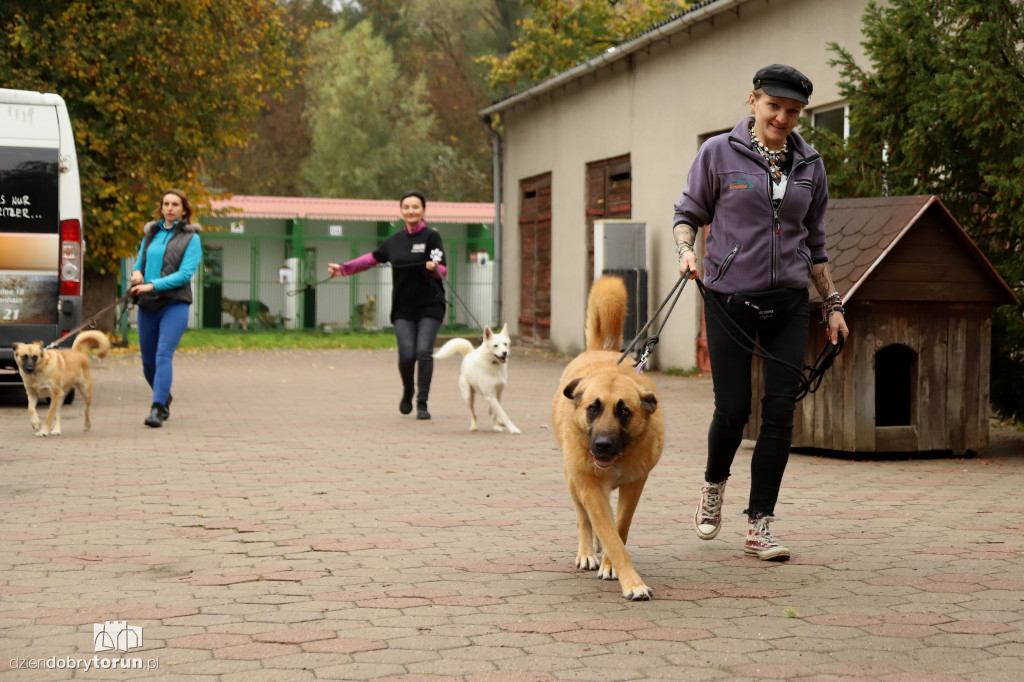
862,232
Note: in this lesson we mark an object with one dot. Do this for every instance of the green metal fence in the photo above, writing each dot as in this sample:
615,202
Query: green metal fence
269,272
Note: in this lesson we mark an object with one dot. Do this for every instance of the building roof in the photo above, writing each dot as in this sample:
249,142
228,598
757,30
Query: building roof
679,23
862,232
243,206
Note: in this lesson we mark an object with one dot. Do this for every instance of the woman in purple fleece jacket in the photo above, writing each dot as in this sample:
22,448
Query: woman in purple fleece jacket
762,192
417,299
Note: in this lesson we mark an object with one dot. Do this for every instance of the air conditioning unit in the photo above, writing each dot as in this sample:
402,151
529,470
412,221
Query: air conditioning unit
620,248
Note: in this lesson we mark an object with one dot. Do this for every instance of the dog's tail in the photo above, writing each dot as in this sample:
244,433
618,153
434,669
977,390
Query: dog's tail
606,313
452,347
92,339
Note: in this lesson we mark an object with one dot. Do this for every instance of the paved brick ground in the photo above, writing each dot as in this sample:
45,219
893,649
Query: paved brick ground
289,524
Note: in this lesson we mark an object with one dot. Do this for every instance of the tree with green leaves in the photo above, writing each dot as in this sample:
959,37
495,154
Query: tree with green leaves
562,33
155,89
270,162
441,40
370,123
940,112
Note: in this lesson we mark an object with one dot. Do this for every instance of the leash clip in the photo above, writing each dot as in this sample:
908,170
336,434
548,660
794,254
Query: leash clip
649,345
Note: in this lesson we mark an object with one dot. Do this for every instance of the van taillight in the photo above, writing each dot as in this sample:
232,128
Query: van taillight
70,258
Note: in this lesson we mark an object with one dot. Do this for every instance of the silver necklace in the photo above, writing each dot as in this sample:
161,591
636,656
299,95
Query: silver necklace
774,157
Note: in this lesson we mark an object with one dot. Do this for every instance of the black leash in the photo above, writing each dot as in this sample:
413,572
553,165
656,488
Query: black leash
309,287
88,322
652,341
449,290
808,376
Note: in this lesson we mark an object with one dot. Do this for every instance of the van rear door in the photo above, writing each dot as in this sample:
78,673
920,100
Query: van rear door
32,158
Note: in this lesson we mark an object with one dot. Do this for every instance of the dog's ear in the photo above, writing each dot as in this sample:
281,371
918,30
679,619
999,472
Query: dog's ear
570,389
504,329
488,333
649,402
16,345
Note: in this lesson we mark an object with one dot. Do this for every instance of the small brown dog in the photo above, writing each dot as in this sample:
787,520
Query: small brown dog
53,373
367,312
611,433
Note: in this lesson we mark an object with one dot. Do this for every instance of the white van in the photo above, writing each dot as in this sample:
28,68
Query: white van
41,245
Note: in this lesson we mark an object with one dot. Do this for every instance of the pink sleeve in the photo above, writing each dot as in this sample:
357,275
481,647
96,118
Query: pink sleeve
441,270
364,262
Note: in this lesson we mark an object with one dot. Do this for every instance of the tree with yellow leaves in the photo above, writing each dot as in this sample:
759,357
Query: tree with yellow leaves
562,33
155,89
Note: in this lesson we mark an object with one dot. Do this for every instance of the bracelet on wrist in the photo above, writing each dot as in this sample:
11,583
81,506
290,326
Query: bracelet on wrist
683,248
826,311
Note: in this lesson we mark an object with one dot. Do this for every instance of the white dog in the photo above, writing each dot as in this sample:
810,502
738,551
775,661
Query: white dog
483,371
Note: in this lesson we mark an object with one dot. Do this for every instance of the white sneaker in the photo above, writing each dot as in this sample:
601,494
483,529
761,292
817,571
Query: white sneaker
708,518
760,542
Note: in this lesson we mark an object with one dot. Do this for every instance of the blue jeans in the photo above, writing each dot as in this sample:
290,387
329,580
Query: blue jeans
416,346
730,374
159,334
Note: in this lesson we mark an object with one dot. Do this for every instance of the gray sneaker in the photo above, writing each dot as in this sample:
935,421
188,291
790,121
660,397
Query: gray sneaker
708,518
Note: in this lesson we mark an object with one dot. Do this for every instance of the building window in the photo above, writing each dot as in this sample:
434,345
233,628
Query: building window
836,119
701,139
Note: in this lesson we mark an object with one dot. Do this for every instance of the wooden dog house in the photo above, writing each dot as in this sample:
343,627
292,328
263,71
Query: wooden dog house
914,374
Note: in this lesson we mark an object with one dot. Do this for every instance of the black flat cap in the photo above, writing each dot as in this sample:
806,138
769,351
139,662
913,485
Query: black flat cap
779,80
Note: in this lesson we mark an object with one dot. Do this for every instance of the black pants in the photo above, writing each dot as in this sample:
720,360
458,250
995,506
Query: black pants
730,372
416,345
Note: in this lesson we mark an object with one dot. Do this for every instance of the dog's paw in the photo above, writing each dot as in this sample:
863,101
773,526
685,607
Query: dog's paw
588,562
42,434
606,572
512,429
497,428
638,593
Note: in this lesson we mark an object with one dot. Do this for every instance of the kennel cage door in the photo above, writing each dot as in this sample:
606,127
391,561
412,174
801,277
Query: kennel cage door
620,248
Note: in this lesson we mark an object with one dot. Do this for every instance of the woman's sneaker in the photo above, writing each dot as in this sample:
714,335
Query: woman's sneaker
708,518
760,542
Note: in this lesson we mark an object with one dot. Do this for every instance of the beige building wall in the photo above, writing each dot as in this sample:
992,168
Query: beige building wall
654,104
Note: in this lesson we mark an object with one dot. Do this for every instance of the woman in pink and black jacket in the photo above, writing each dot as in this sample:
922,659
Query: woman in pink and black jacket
418,302
762,192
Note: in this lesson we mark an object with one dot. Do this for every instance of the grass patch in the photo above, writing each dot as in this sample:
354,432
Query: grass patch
677,371
268,339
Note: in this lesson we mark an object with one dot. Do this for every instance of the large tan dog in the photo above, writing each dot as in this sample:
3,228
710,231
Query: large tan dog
53,373
606,421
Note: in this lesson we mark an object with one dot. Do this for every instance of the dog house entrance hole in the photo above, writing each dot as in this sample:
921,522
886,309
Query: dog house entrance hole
895,380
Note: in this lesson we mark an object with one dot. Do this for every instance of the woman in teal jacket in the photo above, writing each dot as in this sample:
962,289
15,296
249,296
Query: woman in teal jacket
161,282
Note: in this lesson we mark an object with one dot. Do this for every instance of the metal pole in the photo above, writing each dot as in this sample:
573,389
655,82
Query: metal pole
496,175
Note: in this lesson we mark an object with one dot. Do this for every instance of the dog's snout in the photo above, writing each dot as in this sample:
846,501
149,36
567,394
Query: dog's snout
603,445
608,443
